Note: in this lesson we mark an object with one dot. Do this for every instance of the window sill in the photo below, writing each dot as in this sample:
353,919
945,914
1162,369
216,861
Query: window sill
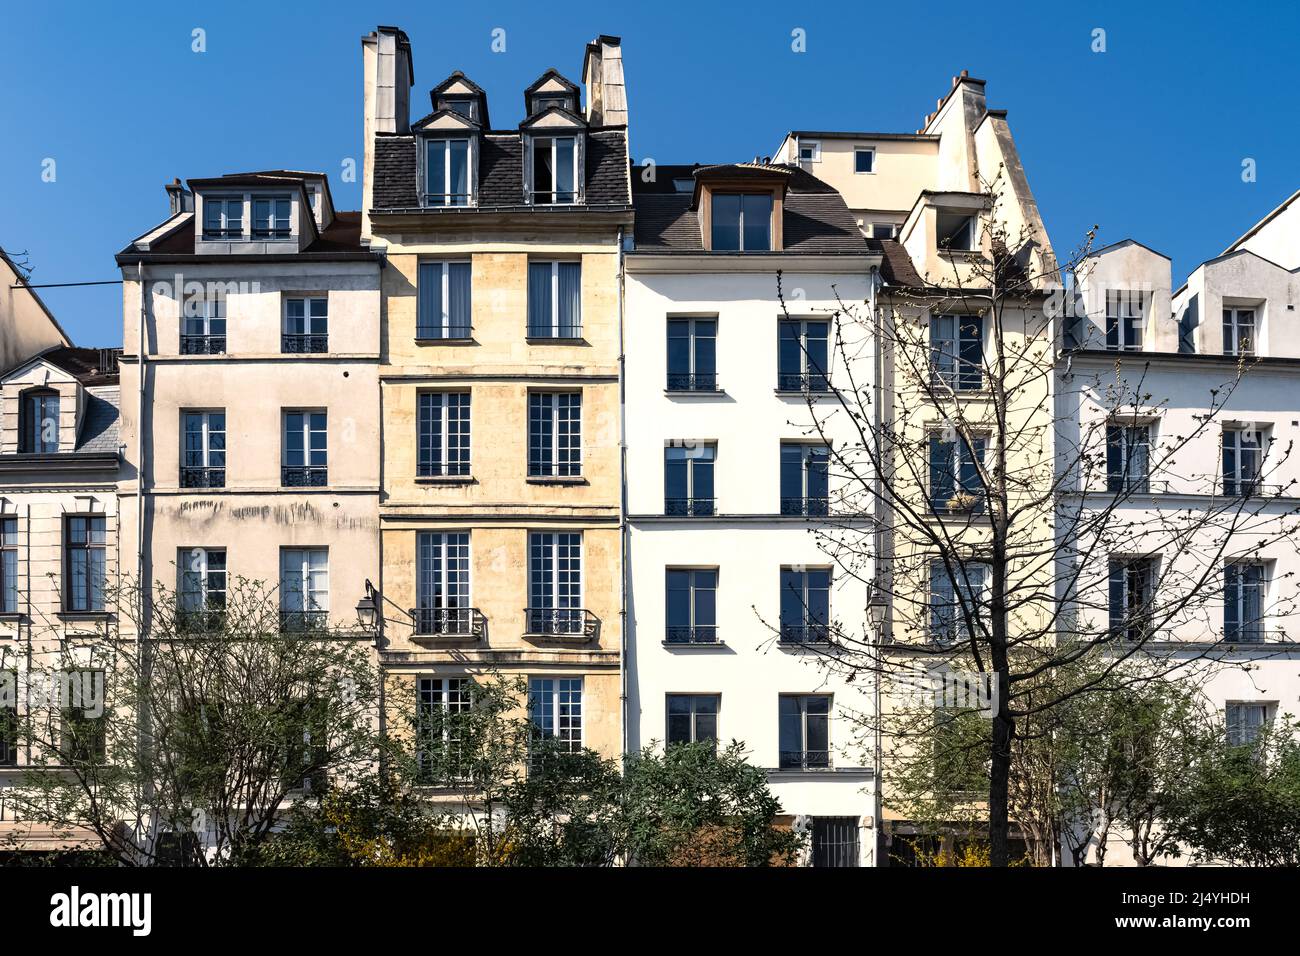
556,480
801,392
84,615
560,638
446,340
695,392
555,340
445,480
12,617
695,645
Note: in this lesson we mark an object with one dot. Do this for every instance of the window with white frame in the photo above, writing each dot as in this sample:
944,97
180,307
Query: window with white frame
442,706
1125,316
692,718
203,462
810,151
805,478
443,426
1243,601
554,434
958,602
271,217
304,588
692,354
555,710
864,160
1128,458
554,300
957,351
223,217
1243,461
1132,597
805,605
447,172
40,422
883,230
1239,332
555,169
956,486
203,331
306,325
691,607
1246,721
202,590
442,583
555,583
85,557
805,731
803,355
8,564
305,452
443,306
688,478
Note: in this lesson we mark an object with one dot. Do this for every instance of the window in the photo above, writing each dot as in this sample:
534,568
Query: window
442,705
957,351
810,151
1128,458
202,587
883,230
443,424
805,732
555,583
8,718
555,709
692,718
956,232
83,737
1125,314
957,601
864,161
692,606
803,355
741,222
86,537
304,588
204,328
955,483
40,425
805,606
961,743
684,185
442,583
692,355
223,218
554,300
204,461
271,217
688,479
446,180
8,564
306,325
444,301
805,479
555,170
835,842
465,107
1239,332
1246,722
554,434
1132,595
1243,459
1243,602
305,449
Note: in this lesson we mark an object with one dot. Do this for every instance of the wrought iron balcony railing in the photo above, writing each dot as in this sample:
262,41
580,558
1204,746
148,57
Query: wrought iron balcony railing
809,507
203,477
689,507
568,622
805,633
699,634
299,622
802,382
692,381
466,622
300,344
203,345
300,476
805,760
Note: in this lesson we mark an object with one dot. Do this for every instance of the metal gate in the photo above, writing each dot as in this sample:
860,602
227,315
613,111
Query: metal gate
835,841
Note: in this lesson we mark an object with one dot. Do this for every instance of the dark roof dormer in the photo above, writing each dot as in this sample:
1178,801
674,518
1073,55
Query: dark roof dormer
549,90
459,94
555,156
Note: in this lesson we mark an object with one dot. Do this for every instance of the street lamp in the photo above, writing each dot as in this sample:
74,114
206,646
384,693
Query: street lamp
876,609
367,609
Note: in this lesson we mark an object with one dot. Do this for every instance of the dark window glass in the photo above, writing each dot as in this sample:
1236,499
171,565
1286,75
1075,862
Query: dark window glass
692,718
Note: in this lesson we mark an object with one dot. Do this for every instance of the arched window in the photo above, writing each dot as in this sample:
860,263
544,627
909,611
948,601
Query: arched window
39,422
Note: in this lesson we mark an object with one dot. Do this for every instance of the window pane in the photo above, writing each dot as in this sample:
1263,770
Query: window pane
436,181
570,299
429,302
458,282
758,222
459,170
539,299
565,164
726,223
679,348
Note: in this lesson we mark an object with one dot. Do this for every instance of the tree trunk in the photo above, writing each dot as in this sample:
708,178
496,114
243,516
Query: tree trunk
1000,773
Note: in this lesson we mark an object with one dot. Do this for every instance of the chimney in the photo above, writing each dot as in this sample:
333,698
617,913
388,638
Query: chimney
388,72
179,199
602,73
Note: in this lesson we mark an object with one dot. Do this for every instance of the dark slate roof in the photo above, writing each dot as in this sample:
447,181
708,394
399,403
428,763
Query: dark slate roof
501,170
88,366
342,236
896,266
815,217
99,433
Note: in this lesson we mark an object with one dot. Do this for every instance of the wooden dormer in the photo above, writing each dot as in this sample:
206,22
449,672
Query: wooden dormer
765,183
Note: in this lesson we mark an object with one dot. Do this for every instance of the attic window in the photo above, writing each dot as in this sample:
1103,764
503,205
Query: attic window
223,218
742,222
464,106
955,231
543,103
271,217
446,181
555,170
864,160
810,151
684,185
40,424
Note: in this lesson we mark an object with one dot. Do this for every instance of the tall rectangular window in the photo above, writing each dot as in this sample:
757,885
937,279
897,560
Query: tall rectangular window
1243,602
555,710
805,479
304,588
202,596
692,606
442,583
1132,597
203,331
688,479
805,605
443,306
1245,722
8,718
554,300
555,583
223,218
442,706
446,181
955,483
40,422
802,352
692,718
555,169
305,462
1128,458
1243,460
957,601
84,560
957,351
805,731
8,564
203,464
1239,332
692,355
271,217
443,426
306,325
1125,315
554,434
741,222
83,734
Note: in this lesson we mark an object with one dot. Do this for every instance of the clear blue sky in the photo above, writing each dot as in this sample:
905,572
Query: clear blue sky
1146,139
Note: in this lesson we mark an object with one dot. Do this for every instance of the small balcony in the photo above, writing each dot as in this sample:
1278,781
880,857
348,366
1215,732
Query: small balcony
811,382
805,507
304,476
203,345
570,623
1248,488
303,622
203,477
689,507
698,634
692,381
805,760
801,635
453,622
299,344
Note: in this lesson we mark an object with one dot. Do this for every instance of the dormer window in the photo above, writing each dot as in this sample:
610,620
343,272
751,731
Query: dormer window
955,232
40,422
447,172
555,170
464,106
543,103
741,222
271,217
223,218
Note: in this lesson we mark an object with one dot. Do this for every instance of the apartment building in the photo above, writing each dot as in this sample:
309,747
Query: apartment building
1192,392
251,418
499,387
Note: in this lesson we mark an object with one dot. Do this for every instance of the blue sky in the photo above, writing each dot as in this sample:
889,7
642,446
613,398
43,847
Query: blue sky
1146,139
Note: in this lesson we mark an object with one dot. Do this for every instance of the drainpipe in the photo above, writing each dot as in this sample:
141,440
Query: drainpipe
139,451
878,370
622,518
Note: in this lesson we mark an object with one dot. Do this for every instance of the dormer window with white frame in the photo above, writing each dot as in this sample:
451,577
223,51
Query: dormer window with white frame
864,160
447,172
223,217
1125,316
810,151
272,217
466,106
555,170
